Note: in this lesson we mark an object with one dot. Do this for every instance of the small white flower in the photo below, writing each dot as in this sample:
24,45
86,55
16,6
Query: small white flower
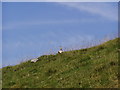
61,78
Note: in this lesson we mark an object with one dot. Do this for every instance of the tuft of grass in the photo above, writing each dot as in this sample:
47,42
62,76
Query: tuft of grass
94,67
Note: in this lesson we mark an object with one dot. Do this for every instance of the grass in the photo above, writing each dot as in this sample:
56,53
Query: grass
95,67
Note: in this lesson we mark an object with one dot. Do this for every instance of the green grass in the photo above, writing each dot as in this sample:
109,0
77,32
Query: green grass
95,67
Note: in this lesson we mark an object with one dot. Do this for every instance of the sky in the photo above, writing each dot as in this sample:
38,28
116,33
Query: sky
34,29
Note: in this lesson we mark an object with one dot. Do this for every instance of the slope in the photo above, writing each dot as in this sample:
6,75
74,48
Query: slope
95,67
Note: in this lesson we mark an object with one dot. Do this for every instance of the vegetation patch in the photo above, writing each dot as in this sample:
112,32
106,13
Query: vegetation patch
95,67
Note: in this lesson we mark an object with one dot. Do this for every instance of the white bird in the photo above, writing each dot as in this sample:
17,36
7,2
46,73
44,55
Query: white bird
34,60
60,51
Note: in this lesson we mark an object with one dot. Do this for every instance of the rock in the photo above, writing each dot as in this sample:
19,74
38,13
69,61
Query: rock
60,51
34,60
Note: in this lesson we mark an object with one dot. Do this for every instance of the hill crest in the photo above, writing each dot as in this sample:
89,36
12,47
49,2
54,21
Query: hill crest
95,67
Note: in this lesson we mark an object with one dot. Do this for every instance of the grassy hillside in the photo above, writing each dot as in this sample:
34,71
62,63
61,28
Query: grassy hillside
95,67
